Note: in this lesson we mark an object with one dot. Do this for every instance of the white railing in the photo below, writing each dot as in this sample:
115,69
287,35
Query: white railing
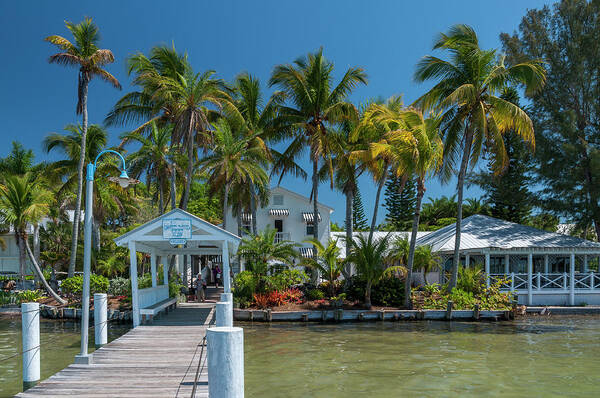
152,295
282,236
540,281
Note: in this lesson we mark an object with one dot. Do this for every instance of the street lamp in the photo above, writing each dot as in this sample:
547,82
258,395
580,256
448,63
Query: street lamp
83,357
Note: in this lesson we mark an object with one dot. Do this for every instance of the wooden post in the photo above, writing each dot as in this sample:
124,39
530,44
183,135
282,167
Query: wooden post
487,269
134,283
572,279
449,310
476,312
305,317
153,267
529,279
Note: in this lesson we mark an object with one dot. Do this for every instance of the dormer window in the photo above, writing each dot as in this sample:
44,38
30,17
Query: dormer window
278,200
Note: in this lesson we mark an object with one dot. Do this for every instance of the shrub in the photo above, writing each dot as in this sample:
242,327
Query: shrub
29,296
145,281
74,285
287,278
488,298
119,286
389,292
470,279
315,294
244,287
277,298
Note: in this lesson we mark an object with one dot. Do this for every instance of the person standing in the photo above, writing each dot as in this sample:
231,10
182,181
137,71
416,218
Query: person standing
217,271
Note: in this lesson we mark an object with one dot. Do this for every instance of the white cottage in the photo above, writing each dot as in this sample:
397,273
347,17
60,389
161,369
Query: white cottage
542,268
291,214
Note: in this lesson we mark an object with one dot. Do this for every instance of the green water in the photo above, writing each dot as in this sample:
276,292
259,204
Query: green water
557,357
59,341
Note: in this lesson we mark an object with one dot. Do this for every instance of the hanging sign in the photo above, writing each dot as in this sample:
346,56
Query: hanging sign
177,231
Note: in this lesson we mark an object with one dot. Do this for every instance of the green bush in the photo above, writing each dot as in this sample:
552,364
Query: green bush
244,287
119,286
286,278
389,292
29,296
145,281
74,285
488,298
470,279
315,294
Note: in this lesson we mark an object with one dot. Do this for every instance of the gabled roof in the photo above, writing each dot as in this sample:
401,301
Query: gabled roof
377,235
481,232
302,197
200,228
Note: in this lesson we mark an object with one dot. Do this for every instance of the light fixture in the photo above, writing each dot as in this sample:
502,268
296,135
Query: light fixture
124,179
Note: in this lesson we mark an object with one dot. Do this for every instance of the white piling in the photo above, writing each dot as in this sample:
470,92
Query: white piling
224,313
30,319
100,325
227,297
225,349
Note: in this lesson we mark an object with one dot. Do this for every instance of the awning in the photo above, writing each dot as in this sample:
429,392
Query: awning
306,252
247,217
308,217
279,212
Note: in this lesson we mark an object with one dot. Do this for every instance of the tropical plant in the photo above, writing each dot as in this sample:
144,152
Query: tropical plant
74,284
474,118
370,258
234,160
259,251
426,260
85,55
314,105
23,201
327,262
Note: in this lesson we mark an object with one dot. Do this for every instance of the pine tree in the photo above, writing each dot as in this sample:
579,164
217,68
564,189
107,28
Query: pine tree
400,205
359,220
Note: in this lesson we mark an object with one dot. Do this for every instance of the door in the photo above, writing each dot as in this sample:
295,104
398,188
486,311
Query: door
279,225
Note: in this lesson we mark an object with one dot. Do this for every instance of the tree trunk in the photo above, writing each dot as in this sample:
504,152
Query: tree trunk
40,275
36,242
190,174
20,244
173,186
413,243
315,182
253,207
376,208
368,295
95,235
349,231
225,205
82,153
461,182
239,220
161,195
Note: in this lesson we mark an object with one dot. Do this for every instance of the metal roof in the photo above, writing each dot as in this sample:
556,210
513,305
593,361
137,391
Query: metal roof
483,232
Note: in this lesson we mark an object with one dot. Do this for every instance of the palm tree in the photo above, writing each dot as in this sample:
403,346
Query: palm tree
327,262
152,158
426,260
314,105
23,201
85,55
474,117
233,161
261,250
370,257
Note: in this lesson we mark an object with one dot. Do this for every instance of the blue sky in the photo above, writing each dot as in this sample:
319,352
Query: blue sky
386,38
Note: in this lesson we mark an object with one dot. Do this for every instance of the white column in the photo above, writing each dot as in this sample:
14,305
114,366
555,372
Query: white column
585,264
100,325
507,264
225,346
134,283
225,270
164,261
546,264
30,319
153,267
487,269
224,312
572,280
529,279
467,260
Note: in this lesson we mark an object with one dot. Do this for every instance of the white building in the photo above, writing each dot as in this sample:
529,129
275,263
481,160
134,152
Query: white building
289,213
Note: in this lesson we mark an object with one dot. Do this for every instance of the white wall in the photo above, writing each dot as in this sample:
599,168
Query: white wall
9,256
294,223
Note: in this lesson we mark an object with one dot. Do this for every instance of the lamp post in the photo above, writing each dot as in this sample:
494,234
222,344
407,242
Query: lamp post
83,357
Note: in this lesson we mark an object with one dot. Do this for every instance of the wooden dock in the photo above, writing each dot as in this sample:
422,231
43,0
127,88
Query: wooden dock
158,360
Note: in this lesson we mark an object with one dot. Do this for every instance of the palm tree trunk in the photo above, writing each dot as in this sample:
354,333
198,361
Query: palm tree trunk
239,220
161,195
36,242
368,295
349,230
225,205
21,247
315,181
40,275
376,208
190,175
461,182
253,208
173,186
413,243
77,215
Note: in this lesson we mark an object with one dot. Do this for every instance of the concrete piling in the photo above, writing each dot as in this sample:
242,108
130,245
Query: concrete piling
225,346
224,313
30,319
100,323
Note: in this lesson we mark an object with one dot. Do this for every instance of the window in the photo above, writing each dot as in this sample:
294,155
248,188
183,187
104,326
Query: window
278,200
496,265
310,229
279,225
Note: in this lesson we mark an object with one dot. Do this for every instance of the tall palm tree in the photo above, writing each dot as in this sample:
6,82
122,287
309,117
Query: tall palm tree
23,201
233,161
313,106
85,55
474,117
152,158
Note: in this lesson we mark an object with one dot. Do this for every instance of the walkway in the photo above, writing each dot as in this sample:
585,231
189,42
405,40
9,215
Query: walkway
158,360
